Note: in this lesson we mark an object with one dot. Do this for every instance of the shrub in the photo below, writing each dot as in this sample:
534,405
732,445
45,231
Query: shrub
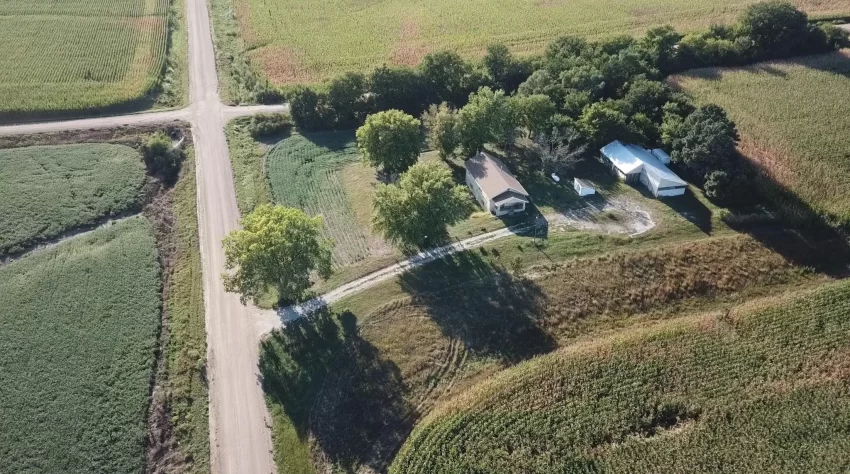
309,109
726,188
161,157
264,125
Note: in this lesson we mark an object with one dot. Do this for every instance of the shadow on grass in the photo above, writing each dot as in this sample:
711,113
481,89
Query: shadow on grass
335,388
493,313
687,206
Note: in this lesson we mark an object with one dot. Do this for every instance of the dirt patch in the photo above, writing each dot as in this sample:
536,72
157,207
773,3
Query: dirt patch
772,164
616,216
125,135
283,65
409,48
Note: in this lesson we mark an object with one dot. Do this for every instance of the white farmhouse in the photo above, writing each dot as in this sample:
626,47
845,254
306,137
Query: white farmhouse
495,188
633,163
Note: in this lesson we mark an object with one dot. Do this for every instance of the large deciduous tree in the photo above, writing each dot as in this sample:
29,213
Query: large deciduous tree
417,210
279,248
441,124
704,142
390,140
487,117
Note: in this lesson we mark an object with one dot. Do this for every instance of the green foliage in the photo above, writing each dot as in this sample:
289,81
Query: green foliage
776,28
348,99
390,140
534,112
705,141
80,55
441,123
728,188
277,248
754,390
309,109
80,323
417,210
248,161
161,157
504,70
266,125
602,123
447,78
488,117
398,88
49,190
648,98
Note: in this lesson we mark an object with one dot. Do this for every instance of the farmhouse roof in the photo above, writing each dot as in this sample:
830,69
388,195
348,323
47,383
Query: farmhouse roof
493,177
631,159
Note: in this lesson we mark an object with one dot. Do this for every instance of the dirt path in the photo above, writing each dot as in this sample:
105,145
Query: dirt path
632,220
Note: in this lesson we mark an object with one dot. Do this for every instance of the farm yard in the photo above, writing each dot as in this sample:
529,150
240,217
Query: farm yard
293,42
758,388
792,121
104,346
49,190
80,323
81,54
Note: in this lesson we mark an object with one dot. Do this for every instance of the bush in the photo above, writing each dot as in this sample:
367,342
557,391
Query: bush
726,189
264,125
161,157
775,28
309,109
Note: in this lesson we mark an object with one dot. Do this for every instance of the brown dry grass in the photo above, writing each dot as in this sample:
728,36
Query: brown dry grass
282,65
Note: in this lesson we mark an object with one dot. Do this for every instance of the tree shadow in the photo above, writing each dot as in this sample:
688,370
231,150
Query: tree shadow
334,140
687,206
494,313
336,389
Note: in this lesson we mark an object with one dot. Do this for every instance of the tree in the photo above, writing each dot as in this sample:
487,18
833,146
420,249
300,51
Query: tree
533,112
348,99
277,248
418,209
390,140
487,117
602,123
775,28
398,88
558,151
498,62
441,123
660,44
727,188
309,109
648,98
446,77
705,141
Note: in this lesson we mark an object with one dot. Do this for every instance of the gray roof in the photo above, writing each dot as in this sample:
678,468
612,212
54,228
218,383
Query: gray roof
493,177
631,159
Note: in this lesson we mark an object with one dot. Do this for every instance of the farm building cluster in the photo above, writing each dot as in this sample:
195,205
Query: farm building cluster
633,164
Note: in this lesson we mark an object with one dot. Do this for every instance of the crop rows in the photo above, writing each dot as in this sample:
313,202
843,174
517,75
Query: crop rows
79,324
792,122
80,54
50,190
302,171
296,42
758,390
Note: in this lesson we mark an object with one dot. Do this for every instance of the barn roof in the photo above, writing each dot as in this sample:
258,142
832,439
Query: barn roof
493,177
631,159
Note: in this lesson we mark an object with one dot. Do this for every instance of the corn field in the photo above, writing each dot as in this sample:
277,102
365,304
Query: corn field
793,120
79,54
757,389
300,42
302,172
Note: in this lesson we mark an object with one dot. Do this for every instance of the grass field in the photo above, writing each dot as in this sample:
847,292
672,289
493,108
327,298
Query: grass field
295,42
79,54
760,389
50,190
793,122
80,323
400,349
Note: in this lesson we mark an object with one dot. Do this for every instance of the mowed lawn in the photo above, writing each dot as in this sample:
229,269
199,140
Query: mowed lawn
49,190
79,325
78,54
794,122
758,389
296,42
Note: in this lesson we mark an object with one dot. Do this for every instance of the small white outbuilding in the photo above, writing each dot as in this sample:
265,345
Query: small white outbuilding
583,187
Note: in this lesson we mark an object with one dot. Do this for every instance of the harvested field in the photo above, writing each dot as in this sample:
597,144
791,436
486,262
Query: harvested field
79,54
346,390
793,125
50,190
751,390
294,42
80,323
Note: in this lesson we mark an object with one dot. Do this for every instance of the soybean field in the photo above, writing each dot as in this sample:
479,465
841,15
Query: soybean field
303,173
761,388
793,121
78,54
80,323
50,190
295,42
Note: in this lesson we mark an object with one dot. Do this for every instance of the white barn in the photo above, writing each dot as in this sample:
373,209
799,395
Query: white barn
495,188
633,163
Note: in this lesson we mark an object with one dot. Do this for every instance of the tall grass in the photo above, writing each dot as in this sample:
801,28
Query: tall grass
759,390
296,42
49,190
79,324
793,123
79,54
